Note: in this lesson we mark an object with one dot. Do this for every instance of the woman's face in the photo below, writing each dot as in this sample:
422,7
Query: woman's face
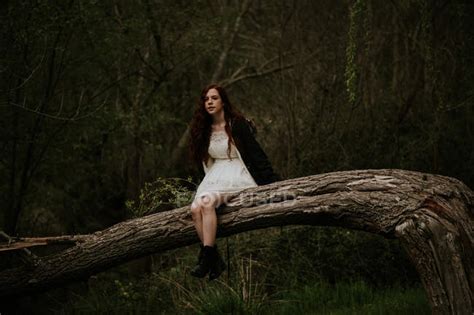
213,102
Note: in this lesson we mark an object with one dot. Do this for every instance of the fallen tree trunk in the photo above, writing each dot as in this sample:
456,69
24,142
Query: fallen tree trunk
432,215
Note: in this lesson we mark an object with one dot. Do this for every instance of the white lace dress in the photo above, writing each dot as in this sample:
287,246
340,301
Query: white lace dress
224,175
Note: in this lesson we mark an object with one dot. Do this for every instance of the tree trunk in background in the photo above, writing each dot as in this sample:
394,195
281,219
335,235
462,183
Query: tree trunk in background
10,217
432,215
34,147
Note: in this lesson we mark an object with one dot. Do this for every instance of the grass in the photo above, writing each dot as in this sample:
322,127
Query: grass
272,272
351,298
158,295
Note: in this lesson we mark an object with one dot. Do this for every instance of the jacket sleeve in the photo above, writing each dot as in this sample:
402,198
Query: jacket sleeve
254,157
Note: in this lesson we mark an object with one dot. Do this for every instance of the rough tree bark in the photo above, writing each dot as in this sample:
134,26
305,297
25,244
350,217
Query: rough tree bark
432,215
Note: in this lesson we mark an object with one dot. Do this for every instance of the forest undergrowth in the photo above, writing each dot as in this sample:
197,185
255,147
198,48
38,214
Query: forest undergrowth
282,270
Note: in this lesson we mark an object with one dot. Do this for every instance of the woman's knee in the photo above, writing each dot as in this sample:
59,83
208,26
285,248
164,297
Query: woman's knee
196,209
209,201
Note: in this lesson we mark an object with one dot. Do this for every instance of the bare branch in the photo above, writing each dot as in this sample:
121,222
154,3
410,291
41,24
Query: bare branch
74,117
260,72
230,42
16,243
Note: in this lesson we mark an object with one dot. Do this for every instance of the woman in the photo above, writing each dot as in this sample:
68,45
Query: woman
223,142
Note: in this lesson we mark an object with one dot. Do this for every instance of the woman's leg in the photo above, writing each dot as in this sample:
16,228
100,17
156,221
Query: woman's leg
203,209
205,218
197,218
209,203
207,225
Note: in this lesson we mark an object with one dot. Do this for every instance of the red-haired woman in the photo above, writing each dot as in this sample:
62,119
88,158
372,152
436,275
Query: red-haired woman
223,141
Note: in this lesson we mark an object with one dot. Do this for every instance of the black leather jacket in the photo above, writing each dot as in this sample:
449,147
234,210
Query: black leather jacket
253,156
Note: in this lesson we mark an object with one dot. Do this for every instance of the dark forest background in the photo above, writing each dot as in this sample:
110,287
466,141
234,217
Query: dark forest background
96,98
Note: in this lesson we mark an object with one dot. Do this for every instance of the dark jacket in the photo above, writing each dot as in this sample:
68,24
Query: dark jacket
252,153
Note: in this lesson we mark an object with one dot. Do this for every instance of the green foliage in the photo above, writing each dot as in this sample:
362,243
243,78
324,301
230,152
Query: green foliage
291,256
87,118
171,292
108,294
162,194
352,298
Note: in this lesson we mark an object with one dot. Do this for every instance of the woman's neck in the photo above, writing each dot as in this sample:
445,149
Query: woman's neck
218,121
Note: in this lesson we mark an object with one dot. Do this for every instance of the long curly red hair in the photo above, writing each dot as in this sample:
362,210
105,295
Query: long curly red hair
201,122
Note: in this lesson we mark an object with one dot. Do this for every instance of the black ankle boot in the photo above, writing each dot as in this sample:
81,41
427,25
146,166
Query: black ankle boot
204,262
217,266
